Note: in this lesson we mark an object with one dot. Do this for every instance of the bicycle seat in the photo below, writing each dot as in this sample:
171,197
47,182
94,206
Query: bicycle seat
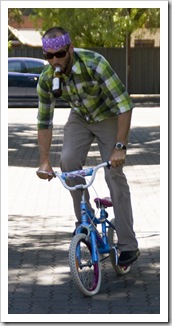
106,202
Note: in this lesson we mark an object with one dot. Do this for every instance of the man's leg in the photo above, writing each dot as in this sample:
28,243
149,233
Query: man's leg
76,144
105,132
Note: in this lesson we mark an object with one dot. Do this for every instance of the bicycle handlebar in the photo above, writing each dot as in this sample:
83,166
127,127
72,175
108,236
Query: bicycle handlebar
80,173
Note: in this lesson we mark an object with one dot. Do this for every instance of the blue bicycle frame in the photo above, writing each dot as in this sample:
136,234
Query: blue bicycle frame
99,244
88,243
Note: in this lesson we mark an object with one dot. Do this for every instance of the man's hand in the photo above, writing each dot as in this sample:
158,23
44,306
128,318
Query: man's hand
118,157
45,171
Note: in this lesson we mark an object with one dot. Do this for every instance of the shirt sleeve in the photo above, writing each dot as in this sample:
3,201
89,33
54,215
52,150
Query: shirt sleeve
112,87
45,106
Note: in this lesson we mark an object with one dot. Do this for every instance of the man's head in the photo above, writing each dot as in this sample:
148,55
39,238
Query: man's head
57,48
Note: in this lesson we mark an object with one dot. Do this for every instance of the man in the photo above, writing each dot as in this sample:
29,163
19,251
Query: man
101,108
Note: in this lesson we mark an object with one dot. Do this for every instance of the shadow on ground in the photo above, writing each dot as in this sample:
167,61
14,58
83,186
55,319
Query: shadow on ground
144,146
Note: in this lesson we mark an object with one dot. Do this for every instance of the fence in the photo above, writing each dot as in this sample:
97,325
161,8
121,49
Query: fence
144,65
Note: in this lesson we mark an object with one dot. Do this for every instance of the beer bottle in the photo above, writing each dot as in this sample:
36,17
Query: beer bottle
56,89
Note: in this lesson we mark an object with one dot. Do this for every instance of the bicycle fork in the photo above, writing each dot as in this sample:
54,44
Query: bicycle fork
94,253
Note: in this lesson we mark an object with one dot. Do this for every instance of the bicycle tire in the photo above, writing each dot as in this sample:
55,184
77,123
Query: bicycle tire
112,239
86,275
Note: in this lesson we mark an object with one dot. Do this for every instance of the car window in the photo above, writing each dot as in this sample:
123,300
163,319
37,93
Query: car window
34,67
15,66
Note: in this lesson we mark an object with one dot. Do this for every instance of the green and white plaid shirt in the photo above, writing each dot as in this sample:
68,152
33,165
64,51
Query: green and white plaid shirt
93,90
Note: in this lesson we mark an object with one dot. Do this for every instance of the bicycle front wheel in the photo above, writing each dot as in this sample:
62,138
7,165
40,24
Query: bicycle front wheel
85,273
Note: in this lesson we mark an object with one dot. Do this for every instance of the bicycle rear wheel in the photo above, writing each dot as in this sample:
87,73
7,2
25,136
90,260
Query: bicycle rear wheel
85,273
112,239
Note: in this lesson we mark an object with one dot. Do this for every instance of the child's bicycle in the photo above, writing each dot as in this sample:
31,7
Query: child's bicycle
88,245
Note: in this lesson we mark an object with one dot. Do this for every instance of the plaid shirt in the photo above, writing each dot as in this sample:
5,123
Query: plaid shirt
93,90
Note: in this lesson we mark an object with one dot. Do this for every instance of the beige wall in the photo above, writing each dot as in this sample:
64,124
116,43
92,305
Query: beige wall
145,34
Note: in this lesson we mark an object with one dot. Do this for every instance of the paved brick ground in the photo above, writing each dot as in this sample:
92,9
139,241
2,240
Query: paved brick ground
41,221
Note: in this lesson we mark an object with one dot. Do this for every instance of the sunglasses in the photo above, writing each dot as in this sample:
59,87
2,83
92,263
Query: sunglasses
59,54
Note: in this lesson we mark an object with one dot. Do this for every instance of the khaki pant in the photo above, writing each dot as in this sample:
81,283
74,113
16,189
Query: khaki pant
78,136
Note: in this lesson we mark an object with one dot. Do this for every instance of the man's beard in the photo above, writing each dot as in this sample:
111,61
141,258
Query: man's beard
66,66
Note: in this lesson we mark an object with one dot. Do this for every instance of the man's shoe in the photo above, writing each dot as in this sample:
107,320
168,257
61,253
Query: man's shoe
128,257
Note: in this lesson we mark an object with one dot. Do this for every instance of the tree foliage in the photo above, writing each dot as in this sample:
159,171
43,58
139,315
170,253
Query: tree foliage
104,27
97,27
15,15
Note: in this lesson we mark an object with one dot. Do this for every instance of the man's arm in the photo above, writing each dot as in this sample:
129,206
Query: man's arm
45,126
118,156
44,142
124,121
114,89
